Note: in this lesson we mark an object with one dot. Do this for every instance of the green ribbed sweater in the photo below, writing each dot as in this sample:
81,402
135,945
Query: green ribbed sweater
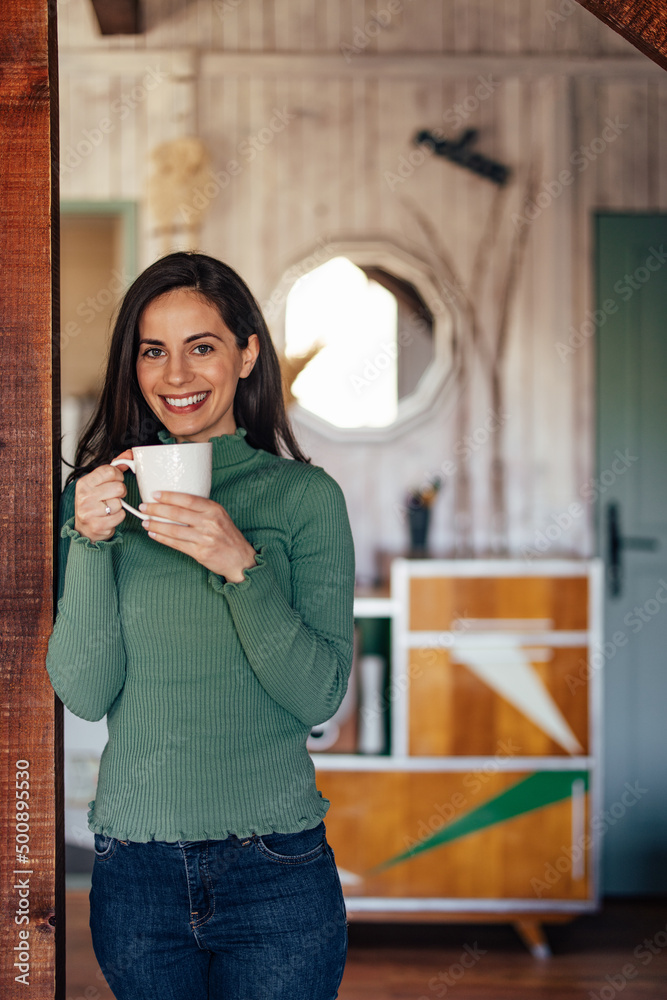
210,687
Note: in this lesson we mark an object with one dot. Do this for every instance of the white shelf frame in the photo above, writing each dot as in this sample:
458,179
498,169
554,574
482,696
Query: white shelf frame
449,904
448,765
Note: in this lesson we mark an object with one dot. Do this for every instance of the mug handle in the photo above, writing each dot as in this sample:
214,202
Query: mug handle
130,463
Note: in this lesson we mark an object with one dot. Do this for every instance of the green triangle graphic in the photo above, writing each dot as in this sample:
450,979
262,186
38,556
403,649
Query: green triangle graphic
533,792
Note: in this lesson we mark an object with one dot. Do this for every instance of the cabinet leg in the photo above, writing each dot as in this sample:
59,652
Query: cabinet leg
533,936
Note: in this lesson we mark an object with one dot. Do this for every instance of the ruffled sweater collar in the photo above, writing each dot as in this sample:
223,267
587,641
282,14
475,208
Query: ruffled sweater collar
228,449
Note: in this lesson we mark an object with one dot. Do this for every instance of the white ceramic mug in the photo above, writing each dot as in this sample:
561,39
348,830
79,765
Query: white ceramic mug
181,468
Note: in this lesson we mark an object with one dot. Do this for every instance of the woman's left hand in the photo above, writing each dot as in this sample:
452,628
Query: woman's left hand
211,537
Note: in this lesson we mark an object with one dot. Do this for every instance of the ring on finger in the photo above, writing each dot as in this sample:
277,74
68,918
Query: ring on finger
107,508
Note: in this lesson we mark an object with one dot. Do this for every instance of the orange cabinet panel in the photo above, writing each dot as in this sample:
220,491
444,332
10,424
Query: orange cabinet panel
548,602
530,856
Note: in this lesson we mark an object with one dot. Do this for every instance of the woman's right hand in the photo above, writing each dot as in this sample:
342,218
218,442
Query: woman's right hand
101,488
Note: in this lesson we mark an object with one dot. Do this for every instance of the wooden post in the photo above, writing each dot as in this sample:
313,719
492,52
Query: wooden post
31,844
642,22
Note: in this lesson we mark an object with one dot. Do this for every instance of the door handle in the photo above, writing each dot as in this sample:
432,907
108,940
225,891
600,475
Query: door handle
616,542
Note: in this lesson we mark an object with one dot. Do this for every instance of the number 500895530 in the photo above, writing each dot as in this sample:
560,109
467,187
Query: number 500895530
22,807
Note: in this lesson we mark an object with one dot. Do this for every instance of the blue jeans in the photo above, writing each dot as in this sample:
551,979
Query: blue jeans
255,919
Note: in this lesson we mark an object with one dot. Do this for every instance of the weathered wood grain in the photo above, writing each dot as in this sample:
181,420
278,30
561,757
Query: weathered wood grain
31,897
642,22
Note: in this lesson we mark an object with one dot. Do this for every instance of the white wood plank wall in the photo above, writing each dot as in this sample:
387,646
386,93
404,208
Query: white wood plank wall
558,76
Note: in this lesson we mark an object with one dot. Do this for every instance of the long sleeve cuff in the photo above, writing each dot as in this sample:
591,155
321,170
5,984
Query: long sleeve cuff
86,655
69,531
226,587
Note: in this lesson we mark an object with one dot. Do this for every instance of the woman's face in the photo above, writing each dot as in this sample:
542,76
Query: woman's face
189,365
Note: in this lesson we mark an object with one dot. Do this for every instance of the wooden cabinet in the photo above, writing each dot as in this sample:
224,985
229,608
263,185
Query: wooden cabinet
484,803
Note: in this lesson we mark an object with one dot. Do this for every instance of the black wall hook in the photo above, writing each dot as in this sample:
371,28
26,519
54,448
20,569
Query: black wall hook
458,151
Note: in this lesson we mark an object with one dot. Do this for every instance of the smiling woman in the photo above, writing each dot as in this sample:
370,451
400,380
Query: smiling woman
189,365
213,644
185,295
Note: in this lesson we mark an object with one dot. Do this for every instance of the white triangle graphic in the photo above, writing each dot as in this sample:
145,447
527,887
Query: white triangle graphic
509,671
348,878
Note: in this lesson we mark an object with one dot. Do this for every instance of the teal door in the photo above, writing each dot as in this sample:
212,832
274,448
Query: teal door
631,506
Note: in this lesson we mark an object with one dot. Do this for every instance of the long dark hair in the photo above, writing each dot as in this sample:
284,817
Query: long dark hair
123,419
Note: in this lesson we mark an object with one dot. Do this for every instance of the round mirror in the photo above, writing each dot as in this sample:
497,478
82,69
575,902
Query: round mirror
374,340
370,337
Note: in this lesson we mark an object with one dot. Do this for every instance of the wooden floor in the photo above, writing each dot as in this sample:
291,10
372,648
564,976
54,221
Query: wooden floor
620,952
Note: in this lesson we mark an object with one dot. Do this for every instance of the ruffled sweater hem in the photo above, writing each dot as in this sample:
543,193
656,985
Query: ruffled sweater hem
171,835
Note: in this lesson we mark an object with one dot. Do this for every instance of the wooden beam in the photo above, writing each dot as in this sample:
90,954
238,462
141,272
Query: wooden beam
31,837
415,65
186,63
118,17
642,22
